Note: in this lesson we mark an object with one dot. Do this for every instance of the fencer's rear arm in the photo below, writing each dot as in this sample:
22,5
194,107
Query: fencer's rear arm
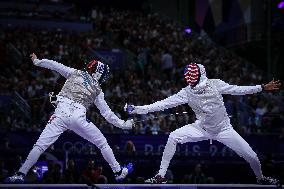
170,102
106,112
225,88
55,66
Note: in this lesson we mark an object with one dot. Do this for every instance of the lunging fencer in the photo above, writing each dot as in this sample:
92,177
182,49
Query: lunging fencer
81,89
204,96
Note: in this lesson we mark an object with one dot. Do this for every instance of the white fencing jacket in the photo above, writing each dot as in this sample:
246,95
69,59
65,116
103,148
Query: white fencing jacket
81,88
205,100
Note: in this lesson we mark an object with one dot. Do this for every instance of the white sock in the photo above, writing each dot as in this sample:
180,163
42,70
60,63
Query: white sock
168,154
31,159
109,157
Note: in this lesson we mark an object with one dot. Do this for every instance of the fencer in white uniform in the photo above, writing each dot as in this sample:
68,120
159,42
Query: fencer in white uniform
204,96
81,89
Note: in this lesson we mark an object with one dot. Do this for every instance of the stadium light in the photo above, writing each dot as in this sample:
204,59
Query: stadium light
187,30
280,5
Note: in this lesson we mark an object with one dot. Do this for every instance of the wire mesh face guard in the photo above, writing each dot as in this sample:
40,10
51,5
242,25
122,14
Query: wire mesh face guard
192,74
98,70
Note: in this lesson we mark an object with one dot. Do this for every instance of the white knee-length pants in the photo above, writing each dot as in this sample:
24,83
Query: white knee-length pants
69,115
227,135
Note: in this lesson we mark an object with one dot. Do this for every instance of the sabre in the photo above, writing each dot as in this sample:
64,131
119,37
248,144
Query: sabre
162,116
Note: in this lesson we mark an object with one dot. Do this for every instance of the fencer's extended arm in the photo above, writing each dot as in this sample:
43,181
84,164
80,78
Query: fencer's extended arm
55,66
170,102
106,112
225,88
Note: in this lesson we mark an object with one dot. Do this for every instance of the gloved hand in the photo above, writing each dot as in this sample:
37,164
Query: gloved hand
129,108
128,124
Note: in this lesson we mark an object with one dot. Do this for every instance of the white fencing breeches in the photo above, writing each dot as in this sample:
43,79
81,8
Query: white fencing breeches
70,115
194,133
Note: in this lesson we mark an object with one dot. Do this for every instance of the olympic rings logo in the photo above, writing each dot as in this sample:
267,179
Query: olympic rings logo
79,147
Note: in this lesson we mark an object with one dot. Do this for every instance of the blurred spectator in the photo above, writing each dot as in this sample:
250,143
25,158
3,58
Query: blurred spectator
155,127
116,150
32,176
260,111
167,63
71,173
197,177
93,174
102,180
98,173
130,148
48,175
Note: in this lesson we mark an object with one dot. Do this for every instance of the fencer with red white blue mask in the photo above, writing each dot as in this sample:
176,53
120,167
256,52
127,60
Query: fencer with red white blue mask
81,90
204,96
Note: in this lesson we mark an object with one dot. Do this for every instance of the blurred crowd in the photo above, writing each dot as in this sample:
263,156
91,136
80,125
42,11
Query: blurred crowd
43,10
161,47
94,173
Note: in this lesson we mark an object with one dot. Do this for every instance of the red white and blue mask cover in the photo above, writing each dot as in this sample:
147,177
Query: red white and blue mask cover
98,70
195,74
